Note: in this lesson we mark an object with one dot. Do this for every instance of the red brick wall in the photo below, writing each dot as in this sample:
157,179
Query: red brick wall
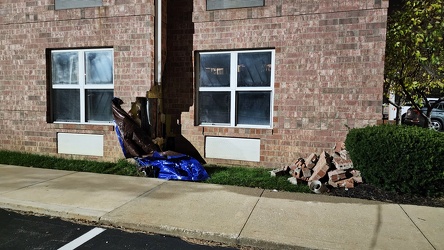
329,67
28,28
329,70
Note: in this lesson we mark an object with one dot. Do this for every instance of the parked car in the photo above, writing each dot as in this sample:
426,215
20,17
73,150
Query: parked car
413,117
404,110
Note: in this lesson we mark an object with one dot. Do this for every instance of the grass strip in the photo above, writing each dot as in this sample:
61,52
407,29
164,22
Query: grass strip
223,175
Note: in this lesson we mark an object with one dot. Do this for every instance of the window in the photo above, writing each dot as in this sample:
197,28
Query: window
235,88
82,85
230,4
71,4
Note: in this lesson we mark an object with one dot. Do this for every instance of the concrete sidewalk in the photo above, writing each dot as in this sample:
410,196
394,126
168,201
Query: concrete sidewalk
232,215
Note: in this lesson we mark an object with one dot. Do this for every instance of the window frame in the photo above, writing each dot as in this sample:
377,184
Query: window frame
82,86
234,89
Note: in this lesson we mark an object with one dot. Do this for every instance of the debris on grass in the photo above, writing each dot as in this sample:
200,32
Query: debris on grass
322,172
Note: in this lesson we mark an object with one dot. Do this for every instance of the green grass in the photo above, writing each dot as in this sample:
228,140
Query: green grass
251,177
122,167
223,175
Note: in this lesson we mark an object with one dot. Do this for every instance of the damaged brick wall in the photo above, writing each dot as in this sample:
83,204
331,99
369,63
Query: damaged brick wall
178,75
329,70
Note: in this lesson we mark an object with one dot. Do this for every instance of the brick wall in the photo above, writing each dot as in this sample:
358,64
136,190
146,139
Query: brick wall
329,67
329,70
28,28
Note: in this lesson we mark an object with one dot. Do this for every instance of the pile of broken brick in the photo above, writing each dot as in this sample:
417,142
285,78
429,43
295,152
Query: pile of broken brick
323,171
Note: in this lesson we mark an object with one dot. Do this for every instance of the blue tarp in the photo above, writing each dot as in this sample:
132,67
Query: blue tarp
175,167
171,167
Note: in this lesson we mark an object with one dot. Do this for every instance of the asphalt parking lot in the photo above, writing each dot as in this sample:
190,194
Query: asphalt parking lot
26,231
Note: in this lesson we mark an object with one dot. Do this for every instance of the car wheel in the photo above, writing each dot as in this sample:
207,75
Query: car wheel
436,125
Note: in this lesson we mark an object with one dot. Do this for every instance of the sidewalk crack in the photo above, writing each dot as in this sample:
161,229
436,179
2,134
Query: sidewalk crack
135,198
417,226
251,212
39,182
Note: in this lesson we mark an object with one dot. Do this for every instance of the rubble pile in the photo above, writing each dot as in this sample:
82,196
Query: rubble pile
324,171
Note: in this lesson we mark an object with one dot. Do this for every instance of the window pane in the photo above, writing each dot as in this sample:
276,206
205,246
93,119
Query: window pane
254,69
214,107
65,68
99,67
253,108
66,105
214,70
98,105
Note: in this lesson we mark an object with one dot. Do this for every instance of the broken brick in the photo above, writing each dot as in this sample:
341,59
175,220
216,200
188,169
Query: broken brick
311,165
355,173
322,166
306,172
356,176
311,160
342,164
292,167
357,179
297,173
347,183
339,146
336,175
344,154
332,183
297,164
313,168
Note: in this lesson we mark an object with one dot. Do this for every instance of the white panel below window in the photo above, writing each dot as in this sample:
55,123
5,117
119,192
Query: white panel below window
233,148
80,144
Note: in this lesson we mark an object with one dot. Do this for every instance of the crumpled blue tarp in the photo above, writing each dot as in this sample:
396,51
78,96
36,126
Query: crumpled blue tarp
174,167
171,167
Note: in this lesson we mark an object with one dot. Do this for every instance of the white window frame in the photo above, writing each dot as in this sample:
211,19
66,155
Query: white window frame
233,88
82,86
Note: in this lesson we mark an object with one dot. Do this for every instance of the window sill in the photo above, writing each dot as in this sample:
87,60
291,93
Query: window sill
215,125
83,126
238,132
86,123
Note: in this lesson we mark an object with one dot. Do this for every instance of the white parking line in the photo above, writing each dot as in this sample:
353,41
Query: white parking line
82,239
